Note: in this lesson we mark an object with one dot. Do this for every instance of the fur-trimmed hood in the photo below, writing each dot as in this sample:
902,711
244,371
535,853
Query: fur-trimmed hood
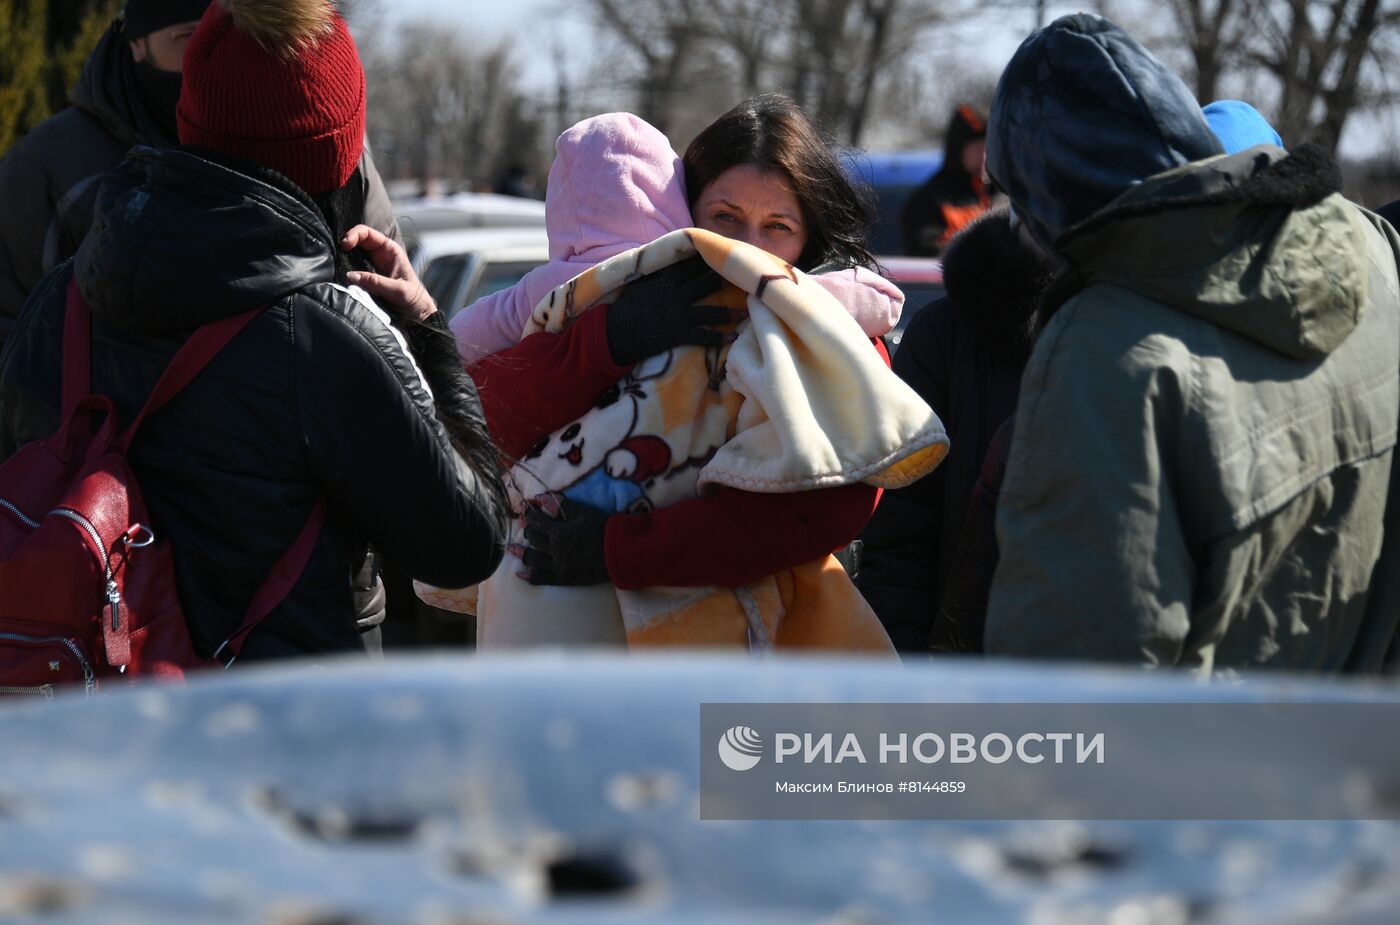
995,278
1260,243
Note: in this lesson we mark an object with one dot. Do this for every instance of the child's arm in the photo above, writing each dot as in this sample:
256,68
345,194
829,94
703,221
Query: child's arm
873,301
493,323
545,381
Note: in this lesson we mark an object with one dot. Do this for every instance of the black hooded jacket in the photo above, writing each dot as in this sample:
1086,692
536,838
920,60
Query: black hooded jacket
49,180
963,354
922,220
318,398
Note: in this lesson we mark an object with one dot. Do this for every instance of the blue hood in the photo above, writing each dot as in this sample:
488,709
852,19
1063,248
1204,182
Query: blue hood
1083,113
1239,126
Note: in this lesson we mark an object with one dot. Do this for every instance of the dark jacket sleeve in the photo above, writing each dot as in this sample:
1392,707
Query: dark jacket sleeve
28,204
29,409
376,438
963,615
900,560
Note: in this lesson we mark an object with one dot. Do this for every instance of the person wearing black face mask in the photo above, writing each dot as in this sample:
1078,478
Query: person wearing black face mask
126,96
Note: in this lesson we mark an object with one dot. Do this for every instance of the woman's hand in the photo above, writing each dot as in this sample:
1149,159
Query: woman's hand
393,281
565,542
658,312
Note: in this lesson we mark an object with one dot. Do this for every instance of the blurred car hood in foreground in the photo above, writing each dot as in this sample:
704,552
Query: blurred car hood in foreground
563,788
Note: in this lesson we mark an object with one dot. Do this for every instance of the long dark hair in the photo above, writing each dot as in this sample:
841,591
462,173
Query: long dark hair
770,132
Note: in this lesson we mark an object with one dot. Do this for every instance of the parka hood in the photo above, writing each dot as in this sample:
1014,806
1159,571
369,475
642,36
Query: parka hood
616,183
1260,243
108,89
178,241
1083,113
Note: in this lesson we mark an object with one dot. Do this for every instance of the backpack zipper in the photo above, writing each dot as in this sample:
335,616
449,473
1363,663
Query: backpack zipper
89,680
44,690
114,595
29,522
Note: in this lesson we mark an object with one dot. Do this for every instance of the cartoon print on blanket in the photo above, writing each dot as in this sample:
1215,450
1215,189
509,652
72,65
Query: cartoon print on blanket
801,400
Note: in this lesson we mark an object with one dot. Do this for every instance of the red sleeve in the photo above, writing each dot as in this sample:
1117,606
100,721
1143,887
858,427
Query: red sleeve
733,537
547,380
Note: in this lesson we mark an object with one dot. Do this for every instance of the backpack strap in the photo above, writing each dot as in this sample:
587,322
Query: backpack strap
279,583
77,355
203,345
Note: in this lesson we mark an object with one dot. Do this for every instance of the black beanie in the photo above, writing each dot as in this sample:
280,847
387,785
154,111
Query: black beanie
142,17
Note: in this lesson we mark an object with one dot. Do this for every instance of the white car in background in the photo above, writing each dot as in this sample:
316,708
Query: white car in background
421,214
458,267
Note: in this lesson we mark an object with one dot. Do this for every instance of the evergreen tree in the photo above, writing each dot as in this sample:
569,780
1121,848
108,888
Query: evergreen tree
43,44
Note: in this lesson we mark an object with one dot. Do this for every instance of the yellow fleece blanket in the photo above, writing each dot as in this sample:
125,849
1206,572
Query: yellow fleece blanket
801,400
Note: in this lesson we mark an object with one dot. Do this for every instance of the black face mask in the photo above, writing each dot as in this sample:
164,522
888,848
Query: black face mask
161,92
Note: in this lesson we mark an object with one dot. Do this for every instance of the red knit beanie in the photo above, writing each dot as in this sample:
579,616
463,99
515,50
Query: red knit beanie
277,82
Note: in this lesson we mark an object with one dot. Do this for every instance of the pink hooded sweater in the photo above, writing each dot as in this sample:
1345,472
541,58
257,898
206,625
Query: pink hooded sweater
617,184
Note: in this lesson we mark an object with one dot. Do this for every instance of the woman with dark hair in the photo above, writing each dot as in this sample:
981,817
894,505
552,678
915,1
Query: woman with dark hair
766,176
761,173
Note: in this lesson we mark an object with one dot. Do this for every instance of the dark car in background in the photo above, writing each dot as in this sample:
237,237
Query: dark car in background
891,176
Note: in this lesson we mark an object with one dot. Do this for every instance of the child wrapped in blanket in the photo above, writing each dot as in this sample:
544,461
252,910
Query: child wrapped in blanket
617,184
644,443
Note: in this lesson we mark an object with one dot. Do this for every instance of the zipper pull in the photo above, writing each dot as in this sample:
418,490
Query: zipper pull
114,597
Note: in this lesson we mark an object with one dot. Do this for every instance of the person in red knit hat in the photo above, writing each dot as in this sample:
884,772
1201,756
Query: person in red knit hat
296,107
322,398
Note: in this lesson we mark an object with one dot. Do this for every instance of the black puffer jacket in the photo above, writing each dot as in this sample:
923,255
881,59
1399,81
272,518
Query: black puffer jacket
963,355
49,180
317,398
962,618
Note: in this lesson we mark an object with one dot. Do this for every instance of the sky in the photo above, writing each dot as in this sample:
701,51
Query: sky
535,24
493,20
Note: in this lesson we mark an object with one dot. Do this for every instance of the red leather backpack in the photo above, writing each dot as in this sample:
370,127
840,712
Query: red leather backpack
87,588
